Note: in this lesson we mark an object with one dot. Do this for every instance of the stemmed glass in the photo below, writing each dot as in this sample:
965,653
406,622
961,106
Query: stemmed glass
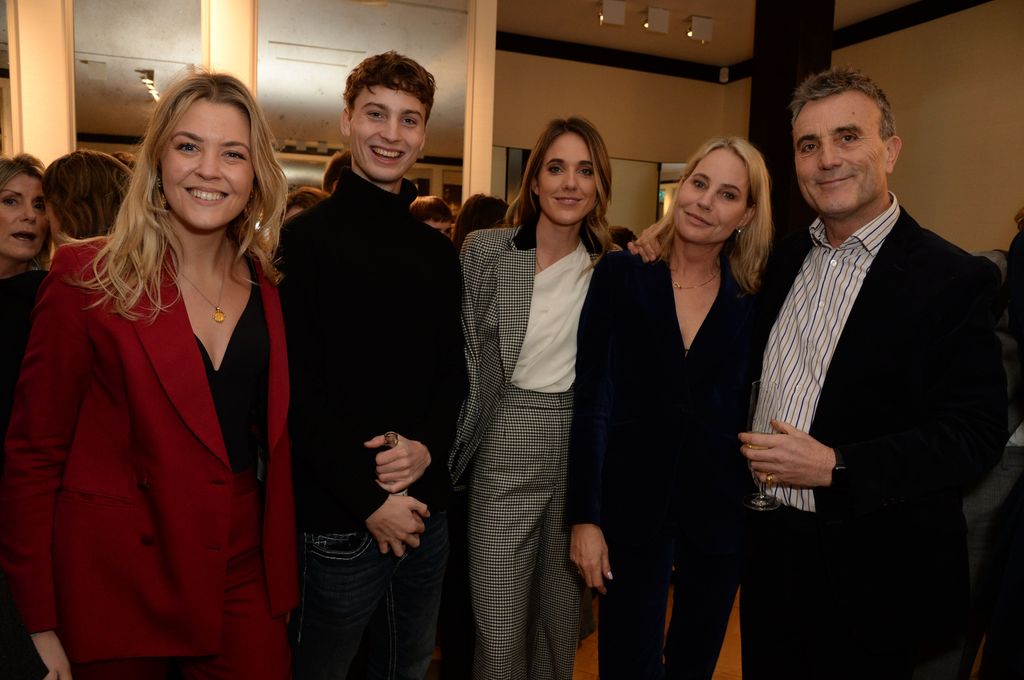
760,501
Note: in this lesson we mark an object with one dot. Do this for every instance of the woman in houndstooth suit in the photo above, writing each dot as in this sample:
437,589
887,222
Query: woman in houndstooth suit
523,291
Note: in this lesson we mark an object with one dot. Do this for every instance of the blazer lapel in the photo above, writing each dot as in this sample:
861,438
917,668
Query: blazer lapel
514,295
277,379
778,278
878,302
179,366
715,342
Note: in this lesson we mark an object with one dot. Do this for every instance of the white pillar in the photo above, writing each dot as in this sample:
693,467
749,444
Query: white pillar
481,35
41,46
229,38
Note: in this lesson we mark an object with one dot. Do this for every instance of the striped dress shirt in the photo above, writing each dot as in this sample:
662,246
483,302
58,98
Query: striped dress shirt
807,330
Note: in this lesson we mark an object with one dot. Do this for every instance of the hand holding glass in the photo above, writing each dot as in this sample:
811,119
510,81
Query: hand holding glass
760,501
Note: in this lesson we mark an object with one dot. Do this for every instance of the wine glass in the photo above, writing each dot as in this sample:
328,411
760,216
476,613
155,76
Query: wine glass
760,501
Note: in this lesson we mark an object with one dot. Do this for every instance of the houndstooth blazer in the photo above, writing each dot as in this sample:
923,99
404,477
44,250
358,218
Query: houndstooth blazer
497,288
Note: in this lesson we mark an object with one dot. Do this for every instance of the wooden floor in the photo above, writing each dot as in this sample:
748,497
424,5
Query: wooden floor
728,667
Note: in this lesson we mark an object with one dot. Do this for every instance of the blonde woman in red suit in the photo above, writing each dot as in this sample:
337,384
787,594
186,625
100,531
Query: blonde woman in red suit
146,499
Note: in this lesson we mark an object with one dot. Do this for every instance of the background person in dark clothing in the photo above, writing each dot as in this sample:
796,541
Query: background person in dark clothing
371,301
478,212
23,235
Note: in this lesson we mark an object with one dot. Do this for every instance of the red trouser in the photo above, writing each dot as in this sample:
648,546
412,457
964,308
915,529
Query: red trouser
253,644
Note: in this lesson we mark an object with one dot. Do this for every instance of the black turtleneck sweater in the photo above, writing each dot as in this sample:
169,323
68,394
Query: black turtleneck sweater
371,307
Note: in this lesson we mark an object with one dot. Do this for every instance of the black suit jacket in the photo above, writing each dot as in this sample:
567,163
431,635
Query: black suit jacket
915,400
654,432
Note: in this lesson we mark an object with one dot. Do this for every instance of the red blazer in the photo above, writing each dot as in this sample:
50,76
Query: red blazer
116,493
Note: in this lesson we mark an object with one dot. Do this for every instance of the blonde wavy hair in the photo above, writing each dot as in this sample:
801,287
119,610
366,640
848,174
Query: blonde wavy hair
525,208
748,249
141,251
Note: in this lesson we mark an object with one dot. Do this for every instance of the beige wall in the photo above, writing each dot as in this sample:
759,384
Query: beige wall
736,109
634,204
957,90
642,116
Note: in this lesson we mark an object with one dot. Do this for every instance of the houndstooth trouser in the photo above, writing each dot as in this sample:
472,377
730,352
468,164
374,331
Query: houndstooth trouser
525,591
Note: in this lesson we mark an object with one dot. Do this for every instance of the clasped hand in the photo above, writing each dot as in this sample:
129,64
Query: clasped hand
793,458
401,465
397,524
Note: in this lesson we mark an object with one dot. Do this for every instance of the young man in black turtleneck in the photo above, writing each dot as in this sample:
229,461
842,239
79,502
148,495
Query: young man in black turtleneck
371,305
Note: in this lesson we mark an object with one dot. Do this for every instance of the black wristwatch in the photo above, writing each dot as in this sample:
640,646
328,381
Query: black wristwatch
839,478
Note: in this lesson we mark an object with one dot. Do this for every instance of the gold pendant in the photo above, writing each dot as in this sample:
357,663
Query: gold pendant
218,315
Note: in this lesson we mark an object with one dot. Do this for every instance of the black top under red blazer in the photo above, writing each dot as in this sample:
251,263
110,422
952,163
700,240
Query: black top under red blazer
654,429
915,400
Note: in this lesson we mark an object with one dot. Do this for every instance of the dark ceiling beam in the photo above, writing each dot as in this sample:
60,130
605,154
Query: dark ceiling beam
604,56
897,20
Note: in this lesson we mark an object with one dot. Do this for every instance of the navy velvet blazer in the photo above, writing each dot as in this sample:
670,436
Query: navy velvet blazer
654,430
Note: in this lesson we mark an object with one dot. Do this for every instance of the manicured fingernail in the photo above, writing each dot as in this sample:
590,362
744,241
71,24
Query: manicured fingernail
608,575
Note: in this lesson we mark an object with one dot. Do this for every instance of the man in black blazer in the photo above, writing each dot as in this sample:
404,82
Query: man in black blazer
882,386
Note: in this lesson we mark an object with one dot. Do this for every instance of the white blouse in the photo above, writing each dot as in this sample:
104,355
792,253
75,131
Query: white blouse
547,360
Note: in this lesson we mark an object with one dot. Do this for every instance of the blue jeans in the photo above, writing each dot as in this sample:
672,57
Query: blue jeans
349,589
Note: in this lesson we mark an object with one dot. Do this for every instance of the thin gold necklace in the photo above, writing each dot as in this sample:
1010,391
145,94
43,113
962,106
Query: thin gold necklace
679,286
218,313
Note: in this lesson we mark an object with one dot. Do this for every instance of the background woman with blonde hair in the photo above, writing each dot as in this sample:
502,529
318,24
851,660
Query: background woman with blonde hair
655,473
147,501
523,290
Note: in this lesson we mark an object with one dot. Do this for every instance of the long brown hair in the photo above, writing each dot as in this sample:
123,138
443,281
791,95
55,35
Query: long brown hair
525,208
84,190
142,249
480,211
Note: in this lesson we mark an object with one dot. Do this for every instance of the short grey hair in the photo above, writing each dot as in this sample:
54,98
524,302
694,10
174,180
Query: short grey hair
837,80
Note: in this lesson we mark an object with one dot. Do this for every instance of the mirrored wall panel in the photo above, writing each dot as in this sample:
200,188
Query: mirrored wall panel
126,52
306,51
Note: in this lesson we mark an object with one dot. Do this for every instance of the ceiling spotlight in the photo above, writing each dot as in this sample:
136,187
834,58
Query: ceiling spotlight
612,12
700,29
656,20
146,76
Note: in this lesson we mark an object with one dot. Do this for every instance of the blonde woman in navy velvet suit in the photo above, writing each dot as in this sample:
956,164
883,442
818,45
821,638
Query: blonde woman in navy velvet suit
522,294
655,474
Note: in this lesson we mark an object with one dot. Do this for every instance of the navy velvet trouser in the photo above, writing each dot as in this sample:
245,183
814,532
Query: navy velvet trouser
631,619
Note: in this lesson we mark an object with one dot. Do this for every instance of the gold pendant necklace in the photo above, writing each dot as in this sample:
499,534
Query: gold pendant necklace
218,313
679,286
